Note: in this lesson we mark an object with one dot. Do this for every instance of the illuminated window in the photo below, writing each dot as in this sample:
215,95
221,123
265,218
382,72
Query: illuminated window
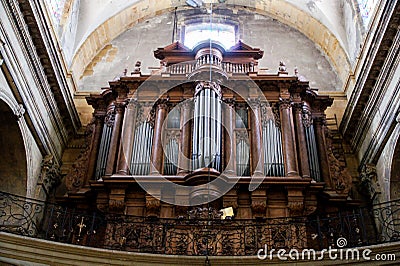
221,33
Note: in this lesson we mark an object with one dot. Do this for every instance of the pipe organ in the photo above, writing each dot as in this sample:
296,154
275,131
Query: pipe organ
206,134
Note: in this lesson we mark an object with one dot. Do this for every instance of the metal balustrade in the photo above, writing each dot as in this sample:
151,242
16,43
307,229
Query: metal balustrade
200,232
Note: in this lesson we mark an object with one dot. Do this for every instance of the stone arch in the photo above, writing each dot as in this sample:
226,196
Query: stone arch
13,165
280,10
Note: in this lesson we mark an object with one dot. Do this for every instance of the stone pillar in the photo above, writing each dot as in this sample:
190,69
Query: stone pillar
288,137
115,138
186,138
157,149
98,125
128,131
229,139
256,138
304,166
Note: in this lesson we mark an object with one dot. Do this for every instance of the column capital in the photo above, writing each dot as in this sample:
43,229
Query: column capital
254,103
298,106
285,103
120,106
162,104
230,101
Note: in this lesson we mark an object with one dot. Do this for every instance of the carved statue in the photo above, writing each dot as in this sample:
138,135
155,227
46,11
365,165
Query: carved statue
282,66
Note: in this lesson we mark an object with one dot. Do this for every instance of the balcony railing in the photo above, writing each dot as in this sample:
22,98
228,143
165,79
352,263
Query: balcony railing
227,67
201,232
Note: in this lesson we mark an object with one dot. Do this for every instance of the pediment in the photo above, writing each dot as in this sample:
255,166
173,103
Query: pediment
175,47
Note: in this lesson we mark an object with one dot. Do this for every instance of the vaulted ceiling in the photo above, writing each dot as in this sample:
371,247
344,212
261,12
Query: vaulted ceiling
87,27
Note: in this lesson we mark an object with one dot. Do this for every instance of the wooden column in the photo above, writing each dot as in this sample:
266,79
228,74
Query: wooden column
229,138
184,158
256,138
304,166
115,138
319,105
128,132
157,149
319,124
288,137
98,116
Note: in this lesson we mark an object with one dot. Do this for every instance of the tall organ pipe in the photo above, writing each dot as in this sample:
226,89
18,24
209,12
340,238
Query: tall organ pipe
207,129
103,151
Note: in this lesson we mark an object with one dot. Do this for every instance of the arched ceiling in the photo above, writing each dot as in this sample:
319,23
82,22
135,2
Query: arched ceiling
102,21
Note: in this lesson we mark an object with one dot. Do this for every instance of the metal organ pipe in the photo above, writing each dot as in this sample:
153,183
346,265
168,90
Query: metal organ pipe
312,153
273,157
140,161
103,151
207,129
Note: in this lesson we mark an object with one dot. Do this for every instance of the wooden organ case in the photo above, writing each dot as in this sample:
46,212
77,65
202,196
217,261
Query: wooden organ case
208,120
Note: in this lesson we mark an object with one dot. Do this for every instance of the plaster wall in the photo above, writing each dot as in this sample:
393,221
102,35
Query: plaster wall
279,42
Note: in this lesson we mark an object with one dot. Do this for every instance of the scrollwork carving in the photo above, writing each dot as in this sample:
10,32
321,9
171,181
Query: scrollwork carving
50,173
242,135
341,179
307,118
296,207
110,118
277,116
153,206
116,205
204,213
259,207
369,185
77,175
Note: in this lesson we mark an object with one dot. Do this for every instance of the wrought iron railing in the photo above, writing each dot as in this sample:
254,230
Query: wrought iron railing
199,233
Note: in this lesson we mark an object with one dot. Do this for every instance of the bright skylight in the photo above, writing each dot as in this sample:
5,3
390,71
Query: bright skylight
222,33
